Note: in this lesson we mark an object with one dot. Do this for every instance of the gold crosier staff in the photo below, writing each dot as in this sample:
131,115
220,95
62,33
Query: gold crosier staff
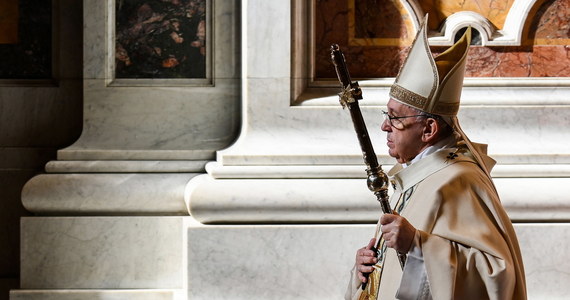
377,180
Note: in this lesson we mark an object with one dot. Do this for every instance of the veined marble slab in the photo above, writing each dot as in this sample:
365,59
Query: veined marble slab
313,261
272,262
107,194
103,253
346,200
96,294
126,166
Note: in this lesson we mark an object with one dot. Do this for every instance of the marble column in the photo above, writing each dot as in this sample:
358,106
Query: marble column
109,218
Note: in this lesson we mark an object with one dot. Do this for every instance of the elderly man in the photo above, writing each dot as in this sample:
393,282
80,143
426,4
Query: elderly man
448,219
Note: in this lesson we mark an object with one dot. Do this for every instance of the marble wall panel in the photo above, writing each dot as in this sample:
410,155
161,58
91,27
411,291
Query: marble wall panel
544,51
162,115
41,117
494,10
93,295
544,249
525,61
269,60
106,194
550,24
272,262
371,20
102,253
364,60
146,118
313,262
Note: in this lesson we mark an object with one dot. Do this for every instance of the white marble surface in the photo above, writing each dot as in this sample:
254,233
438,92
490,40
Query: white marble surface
228,261
126,166
95,295
90,154
281,201
219,171
103,253
160,120
272,262
107,194
266,29
313,261
336,200
317,135
545,249
477,91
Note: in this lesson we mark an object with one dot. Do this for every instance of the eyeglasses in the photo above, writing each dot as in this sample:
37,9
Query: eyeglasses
395,121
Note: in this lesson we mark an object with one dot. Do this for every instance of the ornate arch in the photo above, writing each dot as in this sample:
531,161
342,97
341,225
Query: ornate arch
509,35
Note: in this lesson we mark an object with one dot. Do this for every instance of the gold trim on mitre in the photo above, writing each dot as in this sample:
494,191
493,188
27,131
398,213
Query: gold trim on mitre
432,85
408,96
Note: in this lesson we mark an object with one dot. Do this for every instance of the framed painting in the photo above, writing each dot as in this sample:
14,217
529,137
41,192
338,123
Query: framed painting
158,41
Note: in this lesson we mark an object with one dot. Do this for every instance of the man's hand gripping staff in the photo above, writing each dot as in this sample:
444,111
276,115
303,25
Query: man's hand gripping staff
377,180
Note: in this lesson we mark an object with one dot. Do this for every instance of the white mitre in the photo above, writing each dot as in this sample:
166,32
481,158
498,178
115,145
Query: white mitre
433,85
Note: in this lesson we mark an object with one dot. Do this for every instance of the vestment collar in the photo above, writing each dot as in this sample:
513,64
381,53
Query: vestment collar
404,178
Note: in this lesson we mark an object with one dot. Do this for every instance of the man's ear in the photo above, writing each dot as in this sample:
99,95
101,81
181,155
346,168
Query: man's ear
431,131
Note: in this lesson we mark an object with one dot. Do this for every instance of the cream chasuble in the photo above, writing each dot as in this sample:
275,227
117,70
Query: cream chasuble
466,240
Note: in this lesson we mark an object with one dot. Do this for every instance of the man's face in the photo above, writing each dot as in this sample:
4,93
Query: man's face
406,143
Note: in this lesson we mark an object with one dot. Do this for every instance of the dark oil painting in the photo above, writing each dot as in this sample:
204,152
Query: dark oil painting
160,39
26,47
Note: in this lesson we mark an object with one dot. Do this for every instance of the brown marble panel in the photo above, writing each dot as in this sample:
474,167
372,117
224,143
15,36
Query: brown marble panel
532,61
551,24
494,10
375,19
360,38
545,53
379,23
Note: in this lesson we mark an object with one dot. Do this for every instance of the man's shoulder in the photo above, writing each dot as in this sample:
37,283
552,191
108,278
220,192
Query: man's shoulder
458,167
450,160
438,168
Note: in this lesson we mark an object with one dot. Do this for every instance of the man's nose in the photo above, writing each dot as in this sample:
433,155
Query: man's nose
385,126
